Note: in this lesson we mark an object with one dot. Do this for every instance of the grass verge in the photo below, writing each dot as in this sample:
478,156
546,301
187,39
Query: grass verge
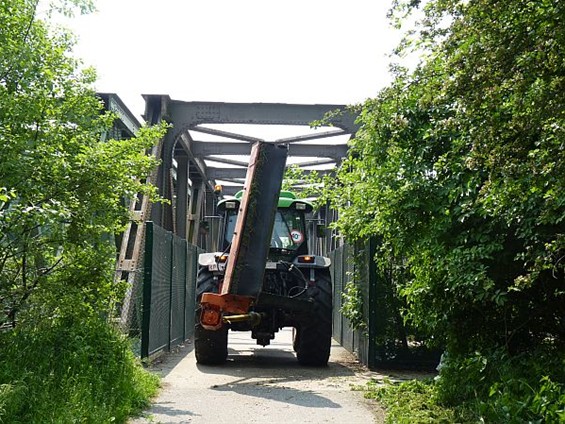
481,388
414,402
70,371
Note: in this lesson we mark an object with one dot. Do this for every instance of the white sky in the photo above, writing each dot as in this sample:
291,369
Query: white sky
293,51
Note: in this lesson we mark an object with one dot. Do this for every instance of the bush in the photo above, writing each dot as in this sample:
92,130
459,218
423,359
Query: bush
487,388
62,190
70,371
500,388
457,169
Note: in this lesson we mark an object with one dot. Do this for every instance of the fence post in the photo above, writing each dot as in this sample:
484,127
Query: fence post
194,279
171,277
184,291
372,299
147,276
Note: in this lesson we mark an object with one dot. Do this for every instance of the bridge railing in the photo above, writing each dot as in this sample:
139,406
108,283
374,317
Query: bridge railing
382,339
170,270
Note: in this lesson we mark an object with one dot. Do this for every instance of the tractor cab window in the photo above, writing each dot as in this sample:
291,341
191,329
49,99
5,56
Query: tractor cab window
288,230
230,228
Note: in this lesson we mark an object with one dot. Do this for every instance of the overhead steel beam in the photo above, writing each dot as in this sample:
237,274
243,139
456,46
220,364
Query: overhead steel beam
187,119
185,142
185,115
226,161
302,165
225,134
310,137
239,173
226,173
205,148
242,137
234,181
231,190
323,161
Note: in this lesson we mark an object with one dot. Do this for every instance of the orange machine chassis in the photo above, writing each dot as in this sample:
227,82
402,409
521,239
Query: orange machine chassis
214,306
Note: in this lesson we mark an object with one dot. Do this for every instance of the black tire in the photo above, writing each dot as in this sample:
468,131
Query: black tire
210,346
314,336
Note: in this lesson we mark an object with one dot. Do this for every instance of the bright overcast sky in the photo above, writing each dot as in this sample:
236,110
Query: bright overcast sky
293,51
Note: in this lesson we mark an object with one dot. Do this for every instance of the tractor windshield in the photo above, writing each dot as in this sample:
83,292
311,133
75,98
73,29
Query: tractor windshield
288,230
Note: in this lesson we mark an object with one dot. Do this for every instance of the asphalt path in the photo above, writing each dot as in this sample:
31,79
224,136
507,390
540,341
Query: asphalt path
261,385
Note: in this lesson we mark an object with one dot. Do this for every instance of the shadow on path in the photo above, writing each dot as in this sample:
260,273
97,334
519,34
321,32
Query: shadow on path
278,392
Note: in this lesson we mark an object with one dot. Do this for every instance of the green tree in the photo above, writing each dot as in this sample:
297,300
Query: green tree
459,169
308,184
62,192
62,185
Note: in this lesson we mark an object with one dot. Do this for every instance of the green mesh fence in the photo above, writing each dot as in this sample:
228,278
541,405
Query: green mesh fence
338,282
191,261
168,290
384,341
178,290
341,270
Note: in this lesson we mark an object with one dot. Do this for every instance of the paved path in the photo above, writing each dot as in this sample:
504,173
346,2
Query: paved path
261,385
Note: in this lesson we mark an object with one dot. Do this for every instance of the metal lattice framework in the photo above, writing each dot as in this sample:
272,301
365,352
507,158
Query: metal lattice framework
198,152
209,144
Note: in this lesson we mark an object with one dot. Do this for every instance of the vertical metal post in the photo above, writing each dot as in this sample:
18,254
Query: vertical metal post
182,195
345,258
372,300
195,209
147,281
184,291
193,287
171,276
339,272
155,109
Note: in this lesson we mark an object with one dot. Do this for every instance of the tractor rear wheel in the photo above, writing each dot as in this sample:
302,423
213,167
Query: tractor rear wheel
295,339
314,337
210,346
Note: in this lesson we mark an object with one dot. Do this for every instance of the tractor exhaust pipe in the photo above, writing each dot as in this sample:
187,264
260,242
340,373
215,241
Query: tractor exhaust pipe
254,317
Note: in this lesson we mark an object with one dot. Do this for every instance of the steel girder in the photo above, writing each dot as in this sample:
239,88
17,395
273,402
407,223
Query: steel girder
210,162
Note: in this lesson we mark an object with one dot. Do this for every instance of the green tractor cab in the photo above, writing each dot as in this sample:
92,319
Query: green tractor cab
289,238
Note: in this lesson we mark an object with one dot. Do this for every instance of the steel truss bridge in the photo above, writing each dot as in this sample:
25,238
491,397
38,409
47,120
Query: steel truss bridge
208,145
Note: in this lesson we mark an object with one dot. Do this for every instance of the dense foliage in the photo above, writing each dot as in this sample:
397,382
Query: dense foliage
71,370
459,171
62,191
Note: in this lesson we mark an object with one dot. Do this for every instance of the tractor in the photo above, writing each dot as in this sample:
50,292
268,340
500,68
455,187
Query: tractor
263,277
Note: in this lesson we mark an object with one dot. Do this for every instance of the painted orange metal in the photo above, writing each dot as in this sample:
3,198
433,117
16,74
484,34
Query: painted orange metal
215,305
